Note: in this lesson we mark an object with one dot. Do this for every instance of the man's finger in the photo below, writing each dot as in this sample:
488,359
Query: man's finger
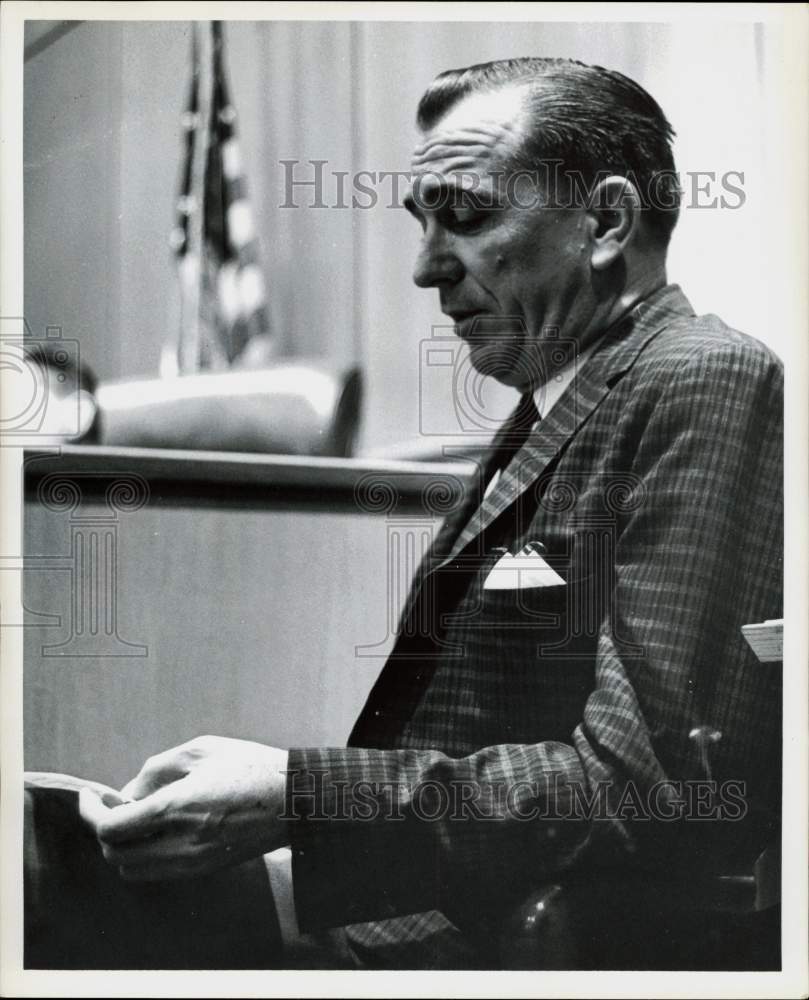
156,851
91,808
134,820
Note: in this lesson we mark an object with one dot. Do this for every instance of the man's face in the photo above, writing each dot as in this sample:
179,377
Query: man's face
510,271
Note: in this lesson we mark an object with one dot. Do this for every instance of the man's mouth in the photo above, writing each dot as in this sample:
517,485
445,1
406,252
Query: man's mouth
459,315
467,322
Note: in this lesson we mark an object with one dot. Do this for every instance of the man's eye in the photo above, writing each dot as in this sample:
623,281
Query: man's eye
464,219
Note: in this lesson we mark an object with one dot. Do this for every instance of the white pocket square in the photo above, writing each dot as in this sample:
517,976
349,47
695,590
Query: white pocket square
524,571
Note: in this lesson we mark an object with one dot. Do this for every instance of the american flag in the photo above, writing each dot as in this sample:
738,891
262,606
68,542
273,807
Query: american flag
223,307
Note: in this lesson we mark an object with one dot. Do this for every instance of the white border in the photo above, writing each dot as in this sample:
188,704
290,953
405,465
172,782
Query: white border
788,139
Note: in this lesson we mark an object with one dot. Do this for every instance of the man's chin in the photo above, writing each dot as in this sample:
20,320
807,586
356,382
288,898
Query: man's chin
504,368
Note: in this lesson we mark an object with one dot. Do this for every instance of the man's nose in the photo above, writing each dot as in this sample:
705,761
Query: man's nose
437,264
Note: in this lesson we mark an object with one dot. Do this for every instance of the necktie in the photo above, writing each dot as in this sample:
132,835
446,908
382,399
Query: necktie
514,434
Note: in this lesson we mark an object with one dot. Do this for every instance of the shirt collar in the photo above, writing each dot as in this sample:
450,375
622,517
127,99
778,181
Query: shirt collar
547,395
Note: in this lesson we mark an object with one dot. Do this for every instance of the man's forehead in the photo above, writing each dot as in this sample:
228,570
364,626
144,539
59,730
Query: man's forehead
475,136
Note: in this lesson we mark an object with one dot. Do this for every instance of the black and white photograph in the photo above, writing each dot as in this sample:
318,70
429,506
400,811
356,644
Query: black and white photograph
404,505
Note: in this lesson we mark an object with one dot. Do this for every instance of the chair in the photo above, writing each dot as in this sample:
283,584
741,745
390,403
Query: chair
693,919
624,922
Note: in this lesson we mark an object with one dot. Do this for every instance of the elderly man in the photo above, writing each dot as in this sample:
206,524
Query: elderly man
569,695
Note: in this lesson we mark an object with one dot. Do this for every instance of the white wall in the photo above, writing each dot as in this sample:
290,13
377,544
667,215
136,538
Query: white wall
102,156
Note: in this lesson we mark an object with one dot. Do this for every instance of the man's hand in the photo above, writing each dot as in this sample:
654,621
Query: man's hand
206,804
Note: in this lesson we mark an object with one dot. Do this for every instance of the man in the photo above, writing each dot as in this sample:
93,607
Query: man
521,733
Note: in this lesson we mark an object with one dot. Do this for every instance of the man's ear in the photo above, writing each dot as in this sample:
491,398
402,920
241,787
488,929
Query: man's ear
613,216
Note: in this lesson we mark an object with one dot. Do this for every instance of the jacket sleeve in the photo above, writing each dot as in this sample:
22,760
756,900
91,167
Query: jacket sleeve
380,833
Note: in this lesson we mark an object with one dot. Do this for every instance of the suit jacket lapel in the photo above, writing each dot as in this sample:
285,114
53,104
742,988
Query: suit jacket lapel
618,351
541,447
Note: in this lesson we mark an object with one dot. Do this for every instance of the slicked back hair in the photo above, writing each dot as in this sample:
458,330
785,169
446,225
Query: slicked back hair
586,121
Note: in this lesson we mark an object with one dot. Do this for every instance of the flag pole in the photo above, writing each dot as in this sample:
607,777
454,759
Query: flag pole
196,250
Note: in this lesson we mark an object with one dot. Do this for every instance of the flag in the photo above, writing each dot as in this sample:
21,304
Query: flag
223,307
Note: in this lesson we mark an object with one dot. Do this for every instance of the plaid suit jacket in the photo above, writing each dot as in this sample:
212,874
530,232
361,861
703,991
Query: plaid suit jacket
476,766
